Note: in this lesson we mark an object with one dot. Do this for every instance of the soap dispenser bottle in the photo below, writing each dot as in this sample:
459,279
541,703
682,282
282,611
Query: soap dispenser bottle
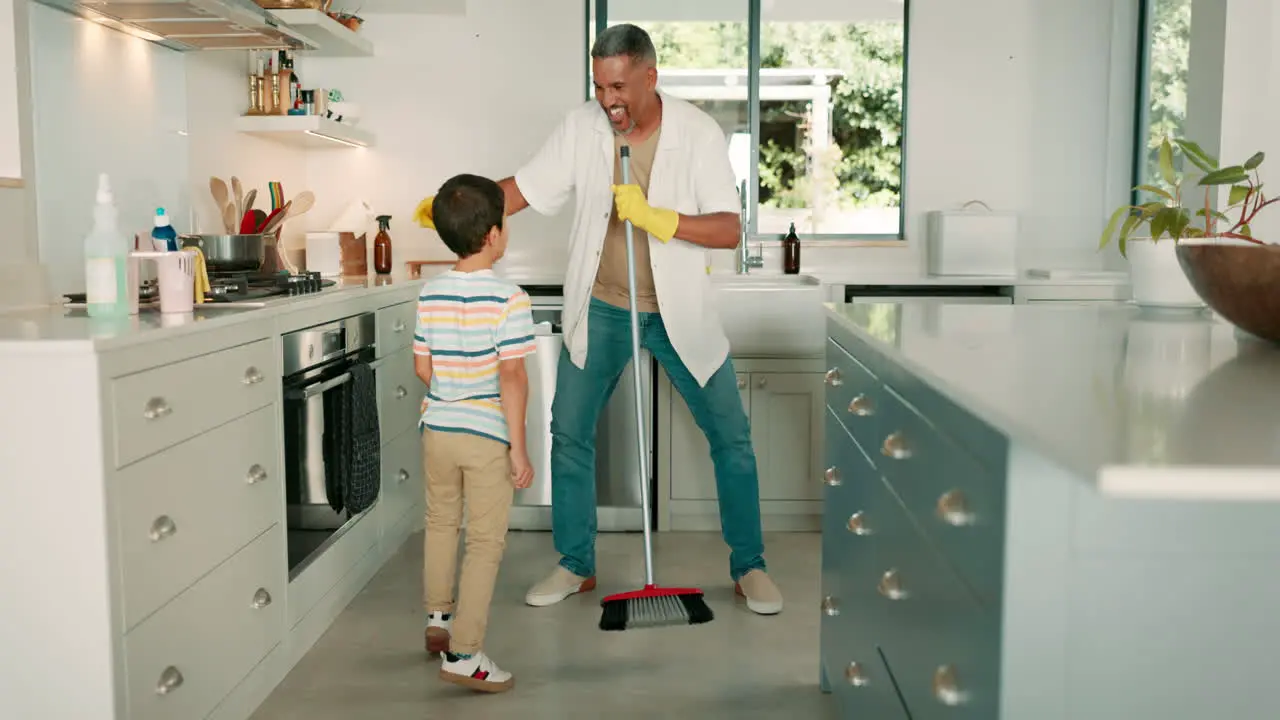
791,252
106,259
382,246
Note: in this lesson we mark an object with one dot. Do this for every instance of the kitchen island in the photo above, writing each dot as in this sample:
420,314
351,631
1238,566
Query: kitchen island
1049,512
143,460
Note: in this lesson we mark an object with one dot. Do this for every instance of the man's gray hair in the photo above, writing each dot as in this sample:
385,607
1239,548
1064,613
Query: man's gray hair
626,40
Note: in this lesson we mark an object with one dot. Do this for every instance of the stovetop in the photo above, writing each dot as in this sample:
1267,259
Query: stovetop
246,287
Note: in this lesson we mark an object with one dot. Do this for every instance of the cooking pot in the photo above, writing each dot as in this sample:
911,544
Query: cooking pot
240,253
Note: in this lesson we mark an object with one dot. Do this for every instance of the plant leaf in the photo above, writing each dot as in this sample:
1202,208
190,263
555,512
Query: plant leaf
1215,213
1254,161
1238,194
1130,223
1152,189
1150,209
1229,175
1123,245
1166,162
1110,229
1194,232
1244,230
1204,160
1160,222
1178,222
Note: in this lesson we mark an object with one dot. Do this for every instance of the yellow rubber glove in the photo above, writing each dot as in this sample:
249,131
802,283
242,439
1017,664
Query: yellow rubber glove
422,214
660,223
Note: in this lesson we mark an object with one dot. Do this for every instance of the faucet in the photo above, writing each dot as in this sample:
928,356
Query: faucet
746,259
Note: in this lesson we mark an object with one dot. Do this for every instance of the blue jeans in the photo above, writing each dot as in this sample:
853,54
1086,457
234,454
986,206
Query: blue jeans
581,395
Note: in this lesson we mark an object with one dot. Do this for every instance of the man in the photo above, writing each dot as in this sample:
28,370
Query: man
681,200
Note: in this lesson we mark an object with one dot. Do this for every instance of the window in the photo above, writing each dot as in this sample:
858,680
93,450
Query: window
809,94
1163,68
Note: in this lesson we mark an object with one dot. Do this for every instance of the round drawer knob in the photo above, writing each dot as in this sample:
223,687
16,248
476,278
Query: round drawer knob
832,476
953,509
261,599
398,326
171,679
156,408
830,606
855,675
833,377
252,376
742,383
862,406
946,688
890,586
403,475
895,446
256,474
163,527
858,524
401,392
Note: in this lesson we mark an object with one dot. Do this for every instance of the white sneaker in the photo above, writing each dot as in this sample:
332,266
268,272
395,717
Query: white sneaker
477,672
763,597
557,586
437,633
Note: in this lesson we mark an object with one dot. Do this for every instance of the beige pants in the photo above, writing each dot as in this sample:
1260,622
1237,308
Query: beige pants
478,470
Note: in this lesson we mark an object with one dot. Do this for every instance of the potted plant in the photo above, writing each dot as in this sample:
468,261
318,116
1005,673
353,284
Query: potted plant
1156,275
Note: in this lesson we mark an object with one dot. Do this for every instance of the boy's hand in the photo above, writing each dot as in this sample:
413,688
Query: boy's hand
660,223
521,469
422,214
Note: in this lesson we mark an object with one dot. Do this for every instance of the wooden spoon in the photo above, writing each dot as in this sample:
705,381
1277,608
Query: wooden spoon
277,219
229,219
219,190
248,201
301,203
238,191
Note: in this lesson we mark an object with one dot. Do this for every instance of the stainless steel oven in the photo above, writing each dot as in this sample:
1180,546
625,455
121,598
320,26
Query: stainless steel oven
316,365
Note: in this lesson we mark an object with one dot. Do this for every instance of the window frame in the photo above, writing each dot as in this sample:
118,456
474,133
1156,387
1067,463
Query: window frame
597,18
1141,106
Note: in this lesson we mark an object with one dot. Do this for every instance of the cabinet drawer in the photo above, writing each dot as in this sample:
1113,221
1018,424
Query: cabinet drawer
958,503
854,394
155,409
395,327
185,510
399,394
955,674
184,660
402,475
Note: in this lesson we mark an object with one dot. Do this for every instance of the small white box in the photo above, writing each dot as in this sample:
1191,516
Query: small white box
324,253
972,242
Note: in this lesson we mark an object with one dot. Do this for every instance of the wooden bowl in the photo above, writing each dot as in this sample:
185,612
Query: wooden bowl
1240,281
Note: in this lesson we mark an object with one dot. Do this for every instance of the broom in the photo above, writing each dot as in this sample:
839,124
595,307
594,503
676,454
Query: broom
652,606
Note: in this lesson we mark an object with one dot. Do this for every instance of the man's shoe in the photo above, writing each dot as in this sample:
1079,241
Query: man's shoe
477,672
763,597
559,585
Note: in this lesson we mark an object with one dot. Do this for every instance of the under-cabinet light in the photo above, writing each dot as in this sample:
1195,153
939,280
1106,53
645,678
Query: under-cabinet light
350,143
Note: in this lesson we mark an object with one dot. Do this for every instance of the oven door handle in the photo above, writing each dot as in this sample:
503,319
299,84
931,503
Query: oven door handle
311,391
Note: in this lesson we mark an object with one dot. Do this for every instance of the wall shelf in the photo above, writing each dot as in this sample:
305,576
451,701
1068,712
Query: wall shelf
331,38
309,131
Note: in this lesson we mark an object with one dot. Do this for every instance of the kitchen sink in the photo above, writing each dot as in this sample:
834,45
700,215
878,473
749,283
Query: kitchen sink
771,315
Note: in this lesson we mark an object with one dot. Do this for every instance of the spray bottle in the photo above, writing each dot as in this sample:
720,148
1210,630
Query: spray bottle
106,258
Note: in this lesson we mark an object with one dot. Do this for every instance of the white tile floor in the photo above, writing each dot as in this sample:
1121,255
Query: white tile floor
371,663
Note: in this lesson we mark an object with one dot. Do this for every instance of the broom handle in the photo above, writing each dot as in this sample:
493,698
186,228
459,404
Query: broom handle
642,444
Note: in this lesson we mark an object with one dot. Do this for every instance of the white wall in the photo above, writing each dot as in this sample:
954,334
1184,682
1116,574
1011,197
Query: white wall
450,93
102,102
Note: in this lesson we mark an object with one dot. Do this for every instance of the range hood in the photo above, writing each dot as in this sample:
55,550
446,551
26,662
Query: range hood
187,25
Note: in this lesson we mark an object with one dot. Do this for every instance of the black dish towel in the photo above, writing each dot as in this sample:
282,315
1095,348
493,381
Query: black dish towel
337,427
363,461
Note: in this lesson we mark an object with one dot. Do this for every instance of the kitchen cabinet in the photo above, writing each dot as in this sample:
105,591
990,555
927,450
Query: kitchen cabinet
785,412
149,561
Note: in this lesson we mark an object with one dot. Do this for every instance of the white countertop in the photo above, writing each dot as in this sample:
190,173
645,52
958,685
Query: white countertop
1146,403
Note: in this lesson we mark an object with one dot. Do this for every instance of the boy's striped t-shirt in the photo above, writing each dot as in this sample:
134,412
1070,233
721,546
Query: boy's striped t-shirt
468,323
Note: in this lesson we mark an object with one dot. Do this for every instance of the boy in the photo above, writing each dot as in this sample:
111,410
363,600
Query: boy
473,333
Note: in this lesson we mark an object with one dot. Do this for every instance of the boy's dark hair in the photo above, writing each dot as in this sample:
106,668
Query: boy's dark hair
465,210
